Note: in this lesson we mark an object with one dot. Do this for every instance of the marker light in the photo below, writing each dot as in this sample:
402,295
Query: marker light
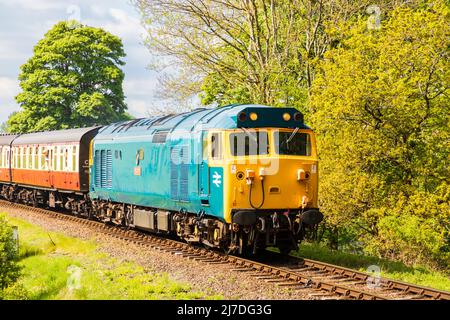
297,116
253,116
286,116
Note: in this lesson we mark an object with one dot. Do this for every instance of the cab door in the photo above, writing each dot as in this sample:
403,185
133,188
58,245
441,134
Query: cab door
203,171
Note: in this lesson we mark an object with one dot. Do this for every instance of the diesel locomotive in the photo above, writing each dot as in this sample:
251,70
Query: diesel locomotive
239,177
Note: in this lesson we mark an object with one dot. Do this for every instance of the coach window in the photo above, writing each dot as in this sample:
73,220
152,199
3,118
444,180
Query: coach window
61,158
23,160
30,158
216,146
58,164
74,158
49,158
66,158
35,158
1,157
55,158
19,158
44,157
25,157
41,165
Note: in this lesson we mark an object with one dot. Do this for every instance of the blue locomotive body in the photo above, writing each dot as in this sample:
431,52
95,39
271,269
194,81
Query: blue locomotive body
193,173
159,162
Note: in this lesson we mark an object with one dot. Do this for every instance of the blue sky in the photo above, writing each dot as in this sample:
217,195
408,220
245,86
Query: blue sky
24,22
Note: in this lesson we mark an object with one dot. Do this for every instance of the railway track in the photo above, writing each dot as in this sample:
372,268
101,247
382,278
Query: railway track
325,281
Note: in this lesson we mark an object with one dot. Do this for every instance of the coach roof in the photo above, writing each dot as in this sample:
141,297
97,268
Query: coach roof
6,139
60,136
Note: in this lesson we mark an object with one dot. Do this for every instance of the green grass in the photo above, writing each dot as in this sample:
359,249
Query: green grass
420,275
50,259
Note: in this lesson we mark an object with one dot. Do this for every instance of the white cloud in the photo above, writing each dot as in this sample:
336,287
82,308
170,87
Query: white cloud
35,5
118,22
139,86
8,87
138,107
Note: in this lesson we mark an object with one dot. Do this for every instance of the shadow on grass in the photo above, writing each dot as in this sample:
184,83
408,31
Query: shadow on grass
26,251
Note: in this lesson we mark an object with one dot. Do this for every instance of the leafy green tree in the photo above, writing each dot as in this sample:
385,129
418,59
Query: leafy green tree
260,51
73,80
380,105
9,268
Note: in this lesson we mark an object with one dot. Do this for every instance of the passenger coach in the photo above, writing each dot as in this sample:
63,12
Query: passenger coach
46,167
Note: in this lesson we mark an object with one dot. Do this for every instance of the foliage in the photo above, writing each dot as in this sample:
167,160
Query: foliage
381,108
259,51
9,268
73,80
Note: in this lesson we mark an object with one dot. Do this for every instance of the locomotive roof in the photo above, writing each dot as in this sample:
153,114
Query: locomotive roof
225,117
59,136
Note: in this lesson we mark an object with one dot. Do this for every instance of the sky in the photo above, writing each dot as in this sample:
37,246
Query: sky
24,22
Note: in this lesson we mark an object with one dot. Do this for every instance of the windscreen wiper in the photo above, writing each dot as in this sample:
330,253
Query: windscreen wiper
251,135
291,137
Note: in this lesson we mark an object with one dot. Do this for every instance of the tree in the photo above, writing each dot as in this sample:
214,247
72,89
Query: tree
380,105
73,80
259,51
242,51
9,268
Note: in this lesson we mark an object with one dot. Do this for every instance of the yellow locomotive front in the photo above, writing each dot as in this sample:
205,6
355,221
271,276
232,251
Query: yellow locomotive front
271,186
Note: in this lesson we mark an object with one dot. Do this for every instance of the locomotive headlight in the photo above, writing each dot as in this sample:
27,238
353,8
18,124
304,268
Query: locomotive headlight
302,175
286,116
253,116
242,116
250,176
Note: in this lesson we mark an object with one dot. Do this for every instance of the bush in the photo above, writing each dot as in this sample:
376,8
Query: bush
416,229
9,257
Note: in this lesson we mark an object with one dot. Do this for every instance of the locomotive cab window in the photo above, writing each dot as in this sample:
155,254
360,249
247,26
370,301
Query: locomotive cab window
216,146
249,143
292,143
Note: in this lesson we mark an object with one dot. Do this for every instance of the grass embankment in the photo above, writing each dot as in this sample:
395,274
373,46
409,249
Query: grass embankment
56,266
420,275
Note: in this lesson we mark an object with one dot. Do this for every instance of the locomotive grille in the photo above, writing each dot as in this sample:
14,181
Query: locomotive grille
97,169
103,169
108,169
